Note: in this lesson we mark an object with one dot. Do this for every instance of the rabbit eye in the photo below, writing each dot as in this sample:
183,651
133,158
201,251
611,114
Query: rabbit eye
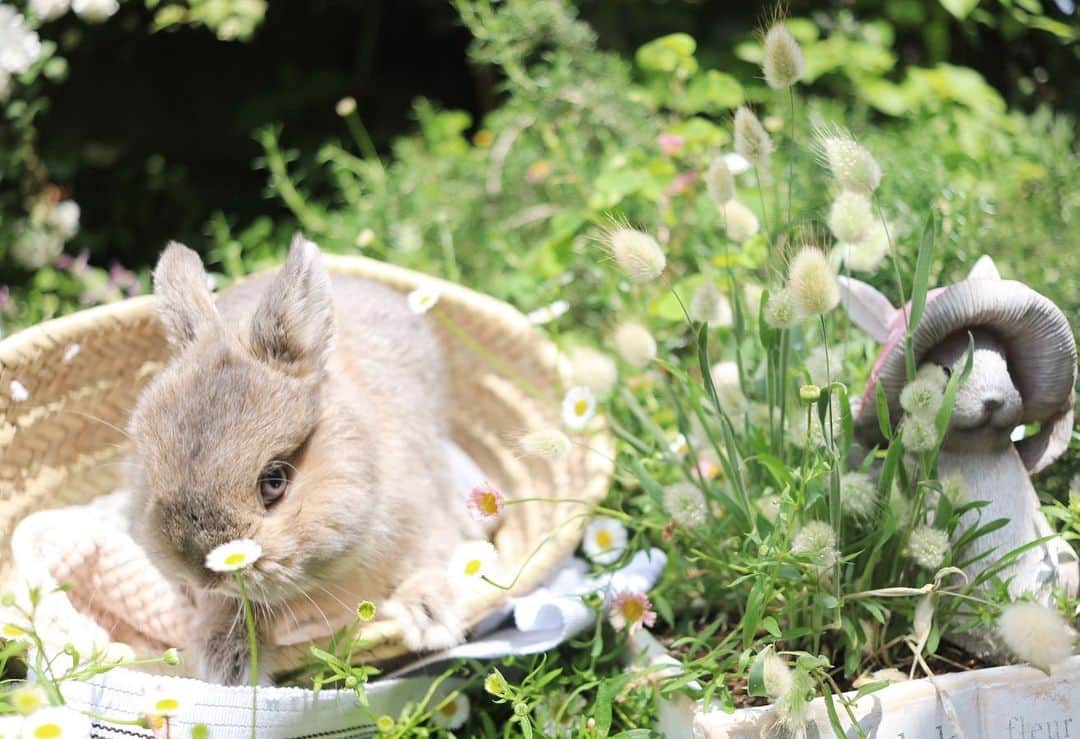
272,482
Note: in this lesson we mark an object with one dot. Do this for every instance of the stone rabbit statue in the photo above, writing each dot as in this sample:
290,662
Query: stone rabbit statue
1024,371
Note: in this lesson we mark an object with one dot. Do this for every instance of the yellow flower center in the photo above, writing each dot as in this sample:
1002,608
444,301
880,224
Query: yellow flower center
581,407
472,567
489,504
235,559
13,632
633,611
448,709
604,539
166,705
48,731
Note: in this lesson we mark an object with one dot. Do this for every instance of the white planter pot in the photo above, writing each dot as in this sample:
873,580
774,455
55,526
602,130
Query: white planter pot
1016,702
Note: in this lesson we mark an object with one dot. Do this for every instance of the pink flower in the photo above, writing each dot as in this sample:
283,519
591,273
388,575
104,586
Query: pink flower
669,143
630,610
682,182
484,502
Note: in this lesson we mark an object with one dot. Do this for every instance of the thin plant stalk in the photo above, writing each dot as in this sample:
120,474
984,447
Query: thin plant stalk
253,648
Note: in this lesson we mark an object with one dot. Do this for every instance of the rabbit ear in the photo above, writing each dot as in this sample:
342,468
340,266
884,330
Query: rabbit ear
869,310
294,323
984,269
184,303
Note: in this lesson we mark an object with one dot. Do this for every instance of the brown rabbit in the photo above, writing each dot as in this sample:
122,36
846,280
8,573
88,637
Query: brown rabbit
308,413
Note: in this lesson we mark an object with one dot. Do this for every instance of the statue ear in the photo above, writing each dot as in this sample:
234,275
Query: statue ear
869,309
1040,450
984,269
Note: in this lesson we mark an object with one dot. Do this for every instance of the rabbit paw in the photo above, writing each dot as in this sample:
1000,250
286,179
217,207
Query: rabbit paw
428,614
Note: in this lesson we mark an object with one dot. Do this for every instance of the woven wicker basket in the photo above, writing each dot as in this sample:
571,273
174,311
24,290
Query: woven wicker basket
59,445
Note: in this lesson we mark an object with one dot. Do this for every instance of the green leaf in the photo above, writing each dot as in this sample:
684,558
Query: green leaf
922,273
605,694
712,92
960,9
769,624
669,54
755,680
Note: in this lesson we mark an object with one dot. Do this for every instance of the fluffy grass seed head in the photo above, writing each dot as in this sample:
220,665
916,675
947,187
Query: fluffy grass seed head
593,369
1036,634
812,282
605,540
686,505
868,254
793,707
719,182
851,163
740,223
451,712
636,253
817,540
578,407
780,309
922,397
752,141
423,299
471,562
484,503
918,434
783,63
769,506
933,373
234,555
928,546
631,610
635,344
548,443
776,674
708,305
850,217
858,494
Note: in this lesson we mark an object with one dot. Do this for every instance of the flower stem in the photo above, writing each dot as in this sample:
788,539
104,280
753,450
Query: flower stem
253,648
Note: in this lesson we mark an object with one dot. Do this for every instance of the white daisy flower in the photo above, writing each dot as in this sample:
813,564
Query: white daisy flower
424,298
233,555
473,561
548,313
452,713
20,47
605,540
680,446
28,698
163,703
578,407
56,723
19,393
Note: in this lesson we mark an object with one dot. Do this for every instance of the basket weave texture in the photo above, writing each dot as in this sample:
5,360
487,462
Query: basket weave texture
62,444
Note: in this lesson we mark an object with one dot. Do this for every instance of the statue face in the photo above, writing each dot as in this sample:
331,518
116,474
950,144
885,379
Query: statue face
988,405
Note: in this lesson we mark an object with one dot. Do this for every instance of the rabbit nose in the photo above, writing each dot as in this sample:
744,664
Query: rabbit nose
992,402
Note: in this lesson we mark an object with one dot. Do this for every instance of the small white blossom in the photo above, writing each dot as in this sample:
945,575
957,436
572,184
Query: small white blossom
740,223
423,299
817,540
605,540
578,407
233,555
473,561
635,344
36,248
47,10
345,106
550,444
163,703
64,218
680,446
1036,634
95,11
28,698
636,253
20,47
451,712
